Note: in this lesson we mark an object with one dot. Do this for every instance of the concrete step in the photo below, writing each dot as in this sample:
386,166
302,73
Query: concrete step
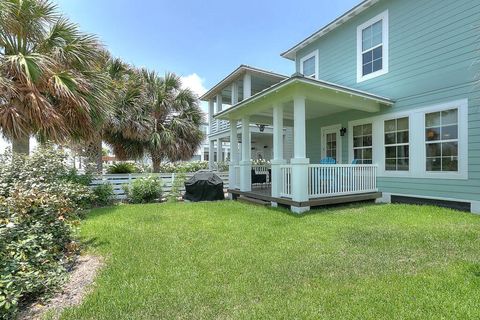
253,201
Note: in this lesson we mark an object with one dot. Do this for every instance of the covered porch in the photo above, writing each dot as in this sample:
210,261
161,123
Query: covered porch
296,181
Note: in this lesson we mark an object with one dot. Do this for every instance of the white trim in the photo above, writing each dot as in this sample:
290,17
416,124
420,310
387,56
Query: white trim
305,58
334,128
417,159
385,36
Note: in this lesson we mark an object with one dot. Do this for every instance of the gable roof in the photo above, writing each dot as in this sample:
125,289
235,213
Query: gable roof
210,94
290,53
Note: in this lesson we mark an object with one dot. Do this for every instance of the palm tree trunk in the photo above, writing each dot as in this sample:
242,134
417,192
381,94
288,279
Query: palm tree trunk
156,162
94,156
21,145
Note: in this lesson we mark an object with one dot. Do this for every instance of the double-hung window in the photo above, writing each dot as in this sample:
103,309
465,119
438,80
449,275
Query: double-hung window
362,143
441,139
396,144
372,48
308,65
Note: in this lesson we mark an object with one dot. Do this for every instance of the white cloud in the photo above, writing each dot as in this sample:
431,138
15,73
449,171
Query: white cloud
195,83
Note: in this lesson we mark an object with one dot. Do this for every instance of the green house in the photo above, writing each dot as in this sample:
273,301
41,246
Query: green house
384,103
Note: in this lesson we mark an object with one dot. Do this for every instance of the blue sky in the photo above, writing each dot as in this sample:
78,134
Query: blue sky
203,40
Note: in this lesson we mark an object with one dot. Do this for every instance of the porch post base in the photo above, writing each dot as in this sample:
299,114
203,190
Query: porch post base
245,175
299,210
386,198
276,177
274,204
232,196
300,179
232,179
475,207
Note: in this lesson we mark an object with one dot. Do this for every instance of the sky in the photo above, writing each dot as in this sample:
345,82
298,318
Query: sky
203,41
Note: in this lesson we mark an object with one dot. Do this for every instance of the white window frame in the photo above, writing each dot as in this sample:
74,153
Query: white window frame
396,144
384,17
305,58
417,157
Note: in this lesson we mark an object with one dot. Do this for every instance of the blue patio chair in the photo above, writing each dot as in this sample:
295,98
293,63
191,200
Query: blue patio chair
355,161
328,160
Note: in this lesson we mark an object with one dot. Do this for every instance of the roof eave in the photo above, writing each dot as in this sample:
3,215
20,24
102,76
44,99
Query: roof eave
291,53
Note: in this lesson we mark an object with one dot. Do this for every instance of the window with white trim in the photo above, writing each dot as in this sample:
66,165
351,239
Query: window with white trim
362,143
441,139
397,144
308,65
372,48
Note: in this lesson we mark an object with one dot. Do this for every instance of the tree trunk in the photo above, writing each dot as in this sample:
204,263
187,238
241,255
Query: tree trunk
94,156
21,145
156,162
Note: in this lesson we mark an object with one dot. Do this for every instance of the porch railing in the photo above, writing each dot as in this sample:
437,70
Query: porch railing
341,179
219,126
286,181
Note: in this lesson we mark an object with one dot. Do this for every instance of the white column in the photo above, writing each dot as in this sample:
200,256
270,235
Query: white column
233,154
246,164
300,162
234,93
247,86
277,160
219,102
211,150
211,112
219,151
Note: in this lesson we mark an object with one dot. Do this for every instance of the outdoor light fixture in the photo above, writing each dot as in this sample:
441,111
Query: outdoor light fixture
343,131
261,127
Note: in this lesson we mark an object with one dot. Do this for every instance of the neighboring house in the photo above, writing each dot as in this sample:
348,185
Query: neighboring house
388,91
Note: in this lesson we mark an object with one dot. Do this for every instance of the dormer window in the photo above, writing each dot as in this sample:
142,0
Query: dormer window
309,65
372,48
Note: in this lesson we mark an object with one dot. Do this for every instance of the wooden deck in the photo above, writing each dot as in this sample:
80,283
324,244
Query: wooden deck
264,194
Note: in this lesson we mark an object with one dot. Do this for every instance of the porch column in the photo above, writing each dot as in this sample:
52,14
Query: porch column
211,112
211,150
234,93
219,151
300,161
277,160
232,177
247,86
246,164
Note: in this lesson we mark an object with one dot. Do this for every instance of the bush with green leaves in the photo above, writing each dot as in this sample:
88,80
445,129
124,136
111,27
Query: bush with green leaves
185,167
144,190
122,167
41,199
104,195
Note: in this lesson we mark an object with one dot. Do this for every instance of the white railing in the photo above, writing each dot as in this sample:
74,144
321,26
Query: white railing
219,126
237,177
286,181
341,179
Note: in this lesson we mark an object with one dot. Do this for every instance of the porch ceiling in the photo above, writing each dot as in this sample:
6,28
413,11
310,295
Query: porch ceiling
322,99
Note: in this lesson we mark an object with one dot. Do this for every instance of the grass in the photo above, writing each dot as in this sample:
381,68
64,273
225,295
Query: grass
231,260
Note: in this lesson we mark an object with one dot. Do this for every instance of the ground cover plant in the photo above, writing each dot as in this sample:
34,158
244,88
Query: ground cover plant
233,261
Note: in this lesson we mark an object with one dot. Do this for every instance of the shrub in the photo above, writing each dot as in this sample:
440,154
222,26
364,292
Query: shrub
40,201
122,167
143,190
177,167
104,195
222,166
177,186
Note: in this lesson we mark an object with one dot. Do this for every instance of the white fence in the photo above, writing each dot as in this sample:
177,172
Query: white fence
286,176
119,180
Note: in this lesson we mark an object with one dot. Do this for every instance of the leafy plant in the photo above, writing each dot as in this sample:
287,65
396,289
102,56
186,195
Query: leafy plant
144,190
104,195
185,167
122,167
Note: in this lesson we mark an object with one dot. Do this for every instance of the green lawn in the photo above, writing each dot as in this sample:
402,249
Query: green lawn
230,260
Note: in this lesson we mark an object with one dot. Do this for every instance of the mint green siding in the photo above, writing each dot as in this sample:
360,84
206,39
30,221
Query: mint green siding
434,49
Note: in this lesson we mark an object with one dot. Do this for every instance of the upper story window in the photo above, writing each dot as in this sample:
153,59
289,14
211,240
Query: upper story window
372,48
309,65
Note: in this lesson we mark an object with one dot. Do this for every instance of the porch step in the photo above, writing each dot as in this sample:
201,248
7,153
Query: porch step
253,201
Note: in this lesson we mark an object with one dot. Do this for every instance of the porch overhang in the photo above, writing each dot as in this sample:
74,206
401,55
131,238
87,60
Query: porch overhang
322,98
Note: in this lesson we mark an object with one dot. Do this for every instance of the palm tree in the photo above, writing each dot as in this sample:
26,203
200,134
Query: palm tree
154,116
52,81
